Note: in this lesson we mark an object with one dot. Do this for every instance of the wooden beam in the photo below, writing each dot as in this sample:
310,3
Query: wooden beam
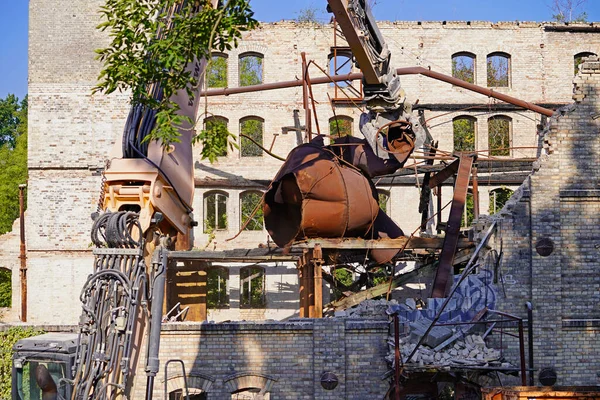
378,290
358,243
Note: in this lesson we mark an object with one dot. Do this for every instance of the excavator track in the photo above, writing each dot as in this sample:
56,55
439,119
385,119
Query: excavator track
114,299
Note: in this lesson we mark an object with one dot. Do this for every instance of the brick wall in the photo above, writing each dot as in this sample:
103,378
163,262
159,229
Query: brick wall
292,356
560,201
71,131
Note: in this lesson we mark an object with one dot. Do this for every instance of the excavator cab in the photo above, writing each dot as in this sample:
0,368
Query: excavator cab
43,366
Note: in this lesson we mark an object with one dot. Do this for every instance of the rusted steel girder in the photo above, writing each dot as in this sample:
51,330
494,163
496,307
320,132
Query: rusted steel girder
400,71
441,284
23,254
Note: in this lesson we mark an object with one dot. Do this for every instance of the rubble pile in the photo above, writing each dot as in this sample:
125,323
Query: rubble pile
469,350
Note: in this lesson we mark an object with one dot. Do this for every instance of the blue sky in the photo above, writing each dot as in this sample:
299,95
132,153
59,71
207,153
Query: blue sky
13,22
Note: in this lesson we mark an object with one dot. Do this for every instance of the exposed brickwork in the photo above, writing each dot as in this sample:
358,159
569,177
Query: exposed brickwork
291,356
560,202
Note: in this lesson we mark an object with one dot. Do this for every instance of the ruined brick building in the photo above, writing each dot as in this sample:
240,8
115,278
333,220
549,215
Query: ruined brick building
71,132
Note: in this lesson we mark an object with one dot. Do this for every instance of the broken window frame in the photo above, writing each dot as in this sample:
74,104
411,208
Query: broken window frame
458,60
216,119
383,199
493,60
504,149
219,223
179,394
473,122
222,287
211,75
578,59
256,283
247,148
494,207
344,122
340,62
257,222
247,57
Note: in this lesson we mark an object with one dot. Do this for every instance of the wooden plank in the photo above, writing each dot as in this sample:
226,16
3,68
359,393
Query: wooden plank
358,243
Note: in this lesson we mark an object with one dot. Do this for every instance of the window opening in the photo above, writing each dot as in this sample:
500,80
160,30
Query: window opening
499,136
498,198
217,283
251,69
249,202
215,212
251,127
463,67
578,59
383,200
340,126
498,70
464,133
216,72
252,287
214,122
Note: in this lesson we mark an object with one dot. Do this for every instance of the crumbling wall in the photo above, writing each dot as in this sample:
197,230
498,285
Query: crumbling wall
549,234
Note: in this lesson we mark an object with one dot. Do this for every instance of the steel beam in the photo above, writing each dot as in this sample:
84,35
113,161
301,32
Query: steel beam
443,276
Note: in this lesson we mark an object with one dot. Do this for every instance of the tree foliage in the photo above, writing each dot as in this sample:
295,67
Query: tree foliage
309,14
498,69
252,128
340,127
216,72
568,11
5,287
499,136
463,68
464,134
152,43
251,70
13,158
8,339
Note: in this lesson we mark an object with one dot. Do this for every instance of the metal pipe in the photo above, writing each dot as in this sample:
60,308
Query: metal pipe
478,89
305,97
158,294
396,357
23,254
187,391
400,71
529,307
522,353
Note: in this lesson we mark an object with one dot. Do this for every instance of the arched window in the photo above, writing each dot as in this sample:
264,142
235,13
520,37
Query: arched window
216,71
578,59
5,287
383,200
251,212
498,70
216,121
340,63
499,134
463,66
251,127
249,386
464,133
251,69
215,211
252,287
198,386
340,126
217,279
498,198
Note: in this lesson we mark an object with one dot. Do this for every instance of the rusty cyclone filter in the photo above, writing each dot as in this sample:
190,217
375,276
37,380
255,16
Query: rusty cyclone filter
544,247
314,194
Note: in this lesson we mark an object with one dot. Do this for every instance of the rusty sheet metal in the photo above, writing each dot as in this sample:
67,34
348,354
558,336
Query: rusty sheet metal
315,194
444,174
444,272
